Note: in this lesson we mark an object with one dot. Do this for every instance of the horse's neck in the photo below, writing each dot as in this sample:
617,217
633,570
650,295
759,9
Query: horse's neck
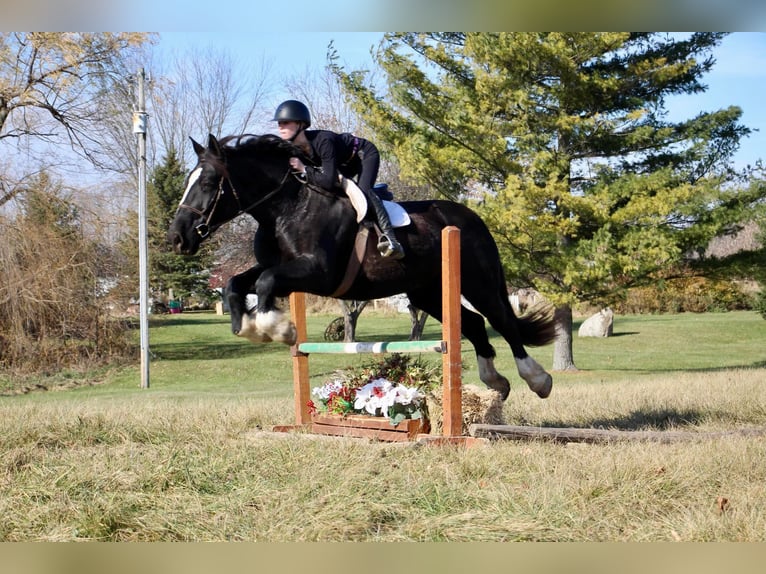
283,200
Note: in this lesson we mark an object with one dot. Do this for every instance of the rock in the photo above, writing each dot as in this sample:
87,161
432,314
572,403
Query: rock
598,325
524,299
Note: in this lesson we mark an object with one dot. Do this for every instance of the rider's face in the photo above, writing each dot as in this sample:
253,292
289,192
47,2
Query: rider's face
288,129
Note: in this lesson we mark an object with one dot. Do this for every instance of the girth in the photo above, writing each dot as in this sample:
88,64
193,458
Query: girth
354,261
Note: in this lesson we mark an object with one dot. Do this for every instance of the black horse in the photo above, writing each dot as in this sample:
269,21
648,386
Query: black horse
305,239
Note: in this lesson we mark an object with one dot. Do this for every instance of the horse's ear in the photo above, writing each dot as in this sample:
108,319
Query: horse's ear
198,149
214,146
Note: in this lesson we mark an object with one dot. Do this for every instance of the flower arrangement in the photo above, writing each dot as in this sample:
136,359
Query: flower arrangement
394,387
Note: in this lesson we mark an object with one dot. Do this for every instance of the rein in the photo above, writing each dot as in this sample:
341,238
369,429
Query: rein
203,229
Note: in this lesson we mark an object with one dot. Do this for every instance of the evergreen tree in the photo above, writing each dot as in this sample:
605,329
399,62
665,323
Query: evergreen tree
564,140
187,276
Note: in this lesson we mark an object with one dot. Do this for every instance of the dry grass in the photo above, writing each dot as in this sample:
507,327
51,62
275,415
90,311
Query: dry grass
164,467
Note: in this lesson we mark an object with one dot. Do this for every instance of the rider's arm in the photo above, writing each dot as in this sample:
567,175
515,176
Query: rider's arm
325,147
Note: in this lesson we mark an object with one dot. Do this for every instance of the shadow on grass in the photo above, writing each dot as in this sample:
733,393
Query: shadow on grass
185,320
661,419
662,370
212,351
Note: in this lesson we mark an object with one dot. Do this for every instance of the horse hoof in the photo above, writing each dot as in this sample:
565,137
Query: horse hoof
501,386
544,388
537,379
255,337
289,335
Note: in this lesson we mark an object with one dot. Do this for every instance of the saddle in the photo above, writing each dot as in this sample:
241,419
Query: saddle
396,213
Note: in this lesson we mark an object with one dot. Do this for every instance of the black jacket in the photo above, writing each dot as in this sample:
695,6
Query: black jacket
333,153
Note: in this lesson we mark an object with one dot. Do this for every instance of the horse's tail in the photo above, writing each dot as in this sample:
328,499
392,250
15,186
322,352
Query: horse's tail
538,326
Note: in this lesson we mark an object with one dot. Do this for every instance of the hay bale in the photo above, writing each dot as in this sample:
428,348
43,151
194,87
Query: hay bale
479,406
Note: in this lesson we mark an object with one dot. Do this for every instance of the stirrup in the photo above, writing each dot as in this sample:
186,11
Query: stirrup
390,247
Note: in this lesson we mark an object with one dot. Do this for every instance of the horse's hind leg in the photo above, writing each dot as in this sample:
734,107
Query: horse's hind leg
500,315
472,327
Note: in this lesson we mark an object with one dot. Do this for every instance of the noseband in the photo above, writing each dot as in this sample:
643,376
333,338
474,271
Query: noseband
203,229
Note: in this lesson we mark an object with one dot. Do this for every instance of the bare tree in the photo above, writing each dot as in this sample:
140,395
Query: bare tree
50,88
206,90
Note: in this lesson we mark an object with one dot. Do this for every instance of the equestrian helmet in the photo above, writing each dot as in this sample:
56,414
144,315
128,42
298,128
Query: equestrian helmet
293,111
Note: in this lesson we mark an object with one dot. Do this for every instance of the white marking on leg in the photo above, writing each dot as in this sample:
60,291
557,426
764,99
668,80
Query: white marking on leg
535,376
487,371
490,377
249,330
276,325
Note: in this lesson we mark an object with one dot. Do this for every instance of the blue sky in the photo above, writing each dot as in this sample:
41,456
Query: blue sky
375,15
738,78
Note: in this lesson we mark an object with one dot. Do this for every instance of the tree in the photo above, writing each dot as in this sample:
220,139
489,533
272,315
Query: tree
53,311
201,92
50,88
563,141
187,276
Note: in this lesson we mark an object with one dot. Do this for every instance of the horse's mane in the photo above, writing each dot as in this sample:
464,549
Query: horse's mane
259,144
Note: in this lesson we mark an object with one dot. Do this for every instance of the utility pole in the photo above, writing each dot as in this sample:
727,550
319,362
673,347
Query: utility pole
139,128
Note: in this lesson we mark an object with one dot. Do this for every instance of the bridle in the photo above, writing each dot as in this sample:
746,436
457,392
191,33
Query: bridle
204,229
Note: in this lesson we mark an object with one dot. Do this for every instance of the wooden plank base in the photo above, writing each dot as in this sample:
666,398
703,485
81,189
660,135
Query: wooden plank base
378,428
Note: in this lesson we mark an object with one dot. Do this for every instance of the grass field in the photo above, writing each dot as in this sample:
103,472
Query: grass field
188,458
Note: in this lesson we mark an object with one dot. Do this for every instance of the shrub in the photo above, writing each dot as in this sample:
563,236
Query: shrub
53,313
687,294
759,302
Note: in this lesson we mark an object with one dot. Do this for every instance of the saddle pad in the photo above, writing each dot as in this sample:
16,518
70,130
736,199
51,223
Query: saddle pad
396,213
358,200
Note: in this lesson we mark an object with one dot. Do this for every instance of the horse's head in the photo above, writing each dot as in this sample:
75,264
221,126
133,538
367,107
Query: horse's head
208,202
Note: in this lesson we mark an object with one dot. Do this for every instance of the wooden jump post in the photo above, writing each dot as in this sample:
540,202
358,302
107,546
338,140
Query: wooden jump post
448,347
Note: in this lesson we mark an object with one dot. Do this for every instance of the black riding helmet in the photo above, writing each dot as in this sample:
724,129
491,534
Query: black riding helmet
293,111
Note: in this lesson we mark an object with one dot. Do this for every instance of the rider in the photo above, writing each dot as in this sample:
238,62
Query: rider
336,153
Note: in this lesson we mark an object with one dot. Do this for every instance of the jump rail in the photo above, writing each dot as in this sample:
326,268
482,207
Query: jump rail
448,347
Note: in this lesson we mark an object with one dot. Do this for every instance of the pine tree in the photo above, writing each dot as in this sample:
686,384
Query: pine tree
187,276
564,140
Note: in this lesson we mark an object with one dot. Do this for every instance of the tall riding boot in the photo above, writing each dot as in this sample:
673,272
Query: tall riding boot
388,246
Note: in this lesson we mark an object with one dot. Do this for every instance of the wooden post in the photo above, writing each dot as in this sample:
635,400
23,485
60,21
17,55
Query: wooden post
300,360
452,424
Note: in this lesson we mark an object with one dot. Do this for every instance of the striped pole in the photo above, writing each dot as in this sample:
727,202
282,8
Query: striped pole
380,347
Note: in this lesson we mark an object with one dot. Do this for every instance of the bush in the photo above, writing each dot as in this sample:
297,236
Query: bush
759,302
53,313
688,294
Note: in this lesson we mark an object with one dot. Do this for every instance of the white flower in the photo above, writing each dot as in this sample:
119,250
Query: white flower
377,394
324,392
408,395
364,400
376,397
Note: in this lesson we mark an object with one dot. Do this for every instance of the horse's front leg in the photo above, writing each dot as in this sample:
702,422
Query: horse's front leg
237,289
300,274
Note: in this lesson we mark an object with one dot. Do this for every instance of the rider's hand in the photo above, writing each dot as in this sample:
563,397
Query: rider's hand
297,165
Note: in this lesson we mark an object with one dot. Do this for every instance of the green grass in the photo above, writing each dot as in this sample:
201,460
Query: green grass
196,352
187,459
684,342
